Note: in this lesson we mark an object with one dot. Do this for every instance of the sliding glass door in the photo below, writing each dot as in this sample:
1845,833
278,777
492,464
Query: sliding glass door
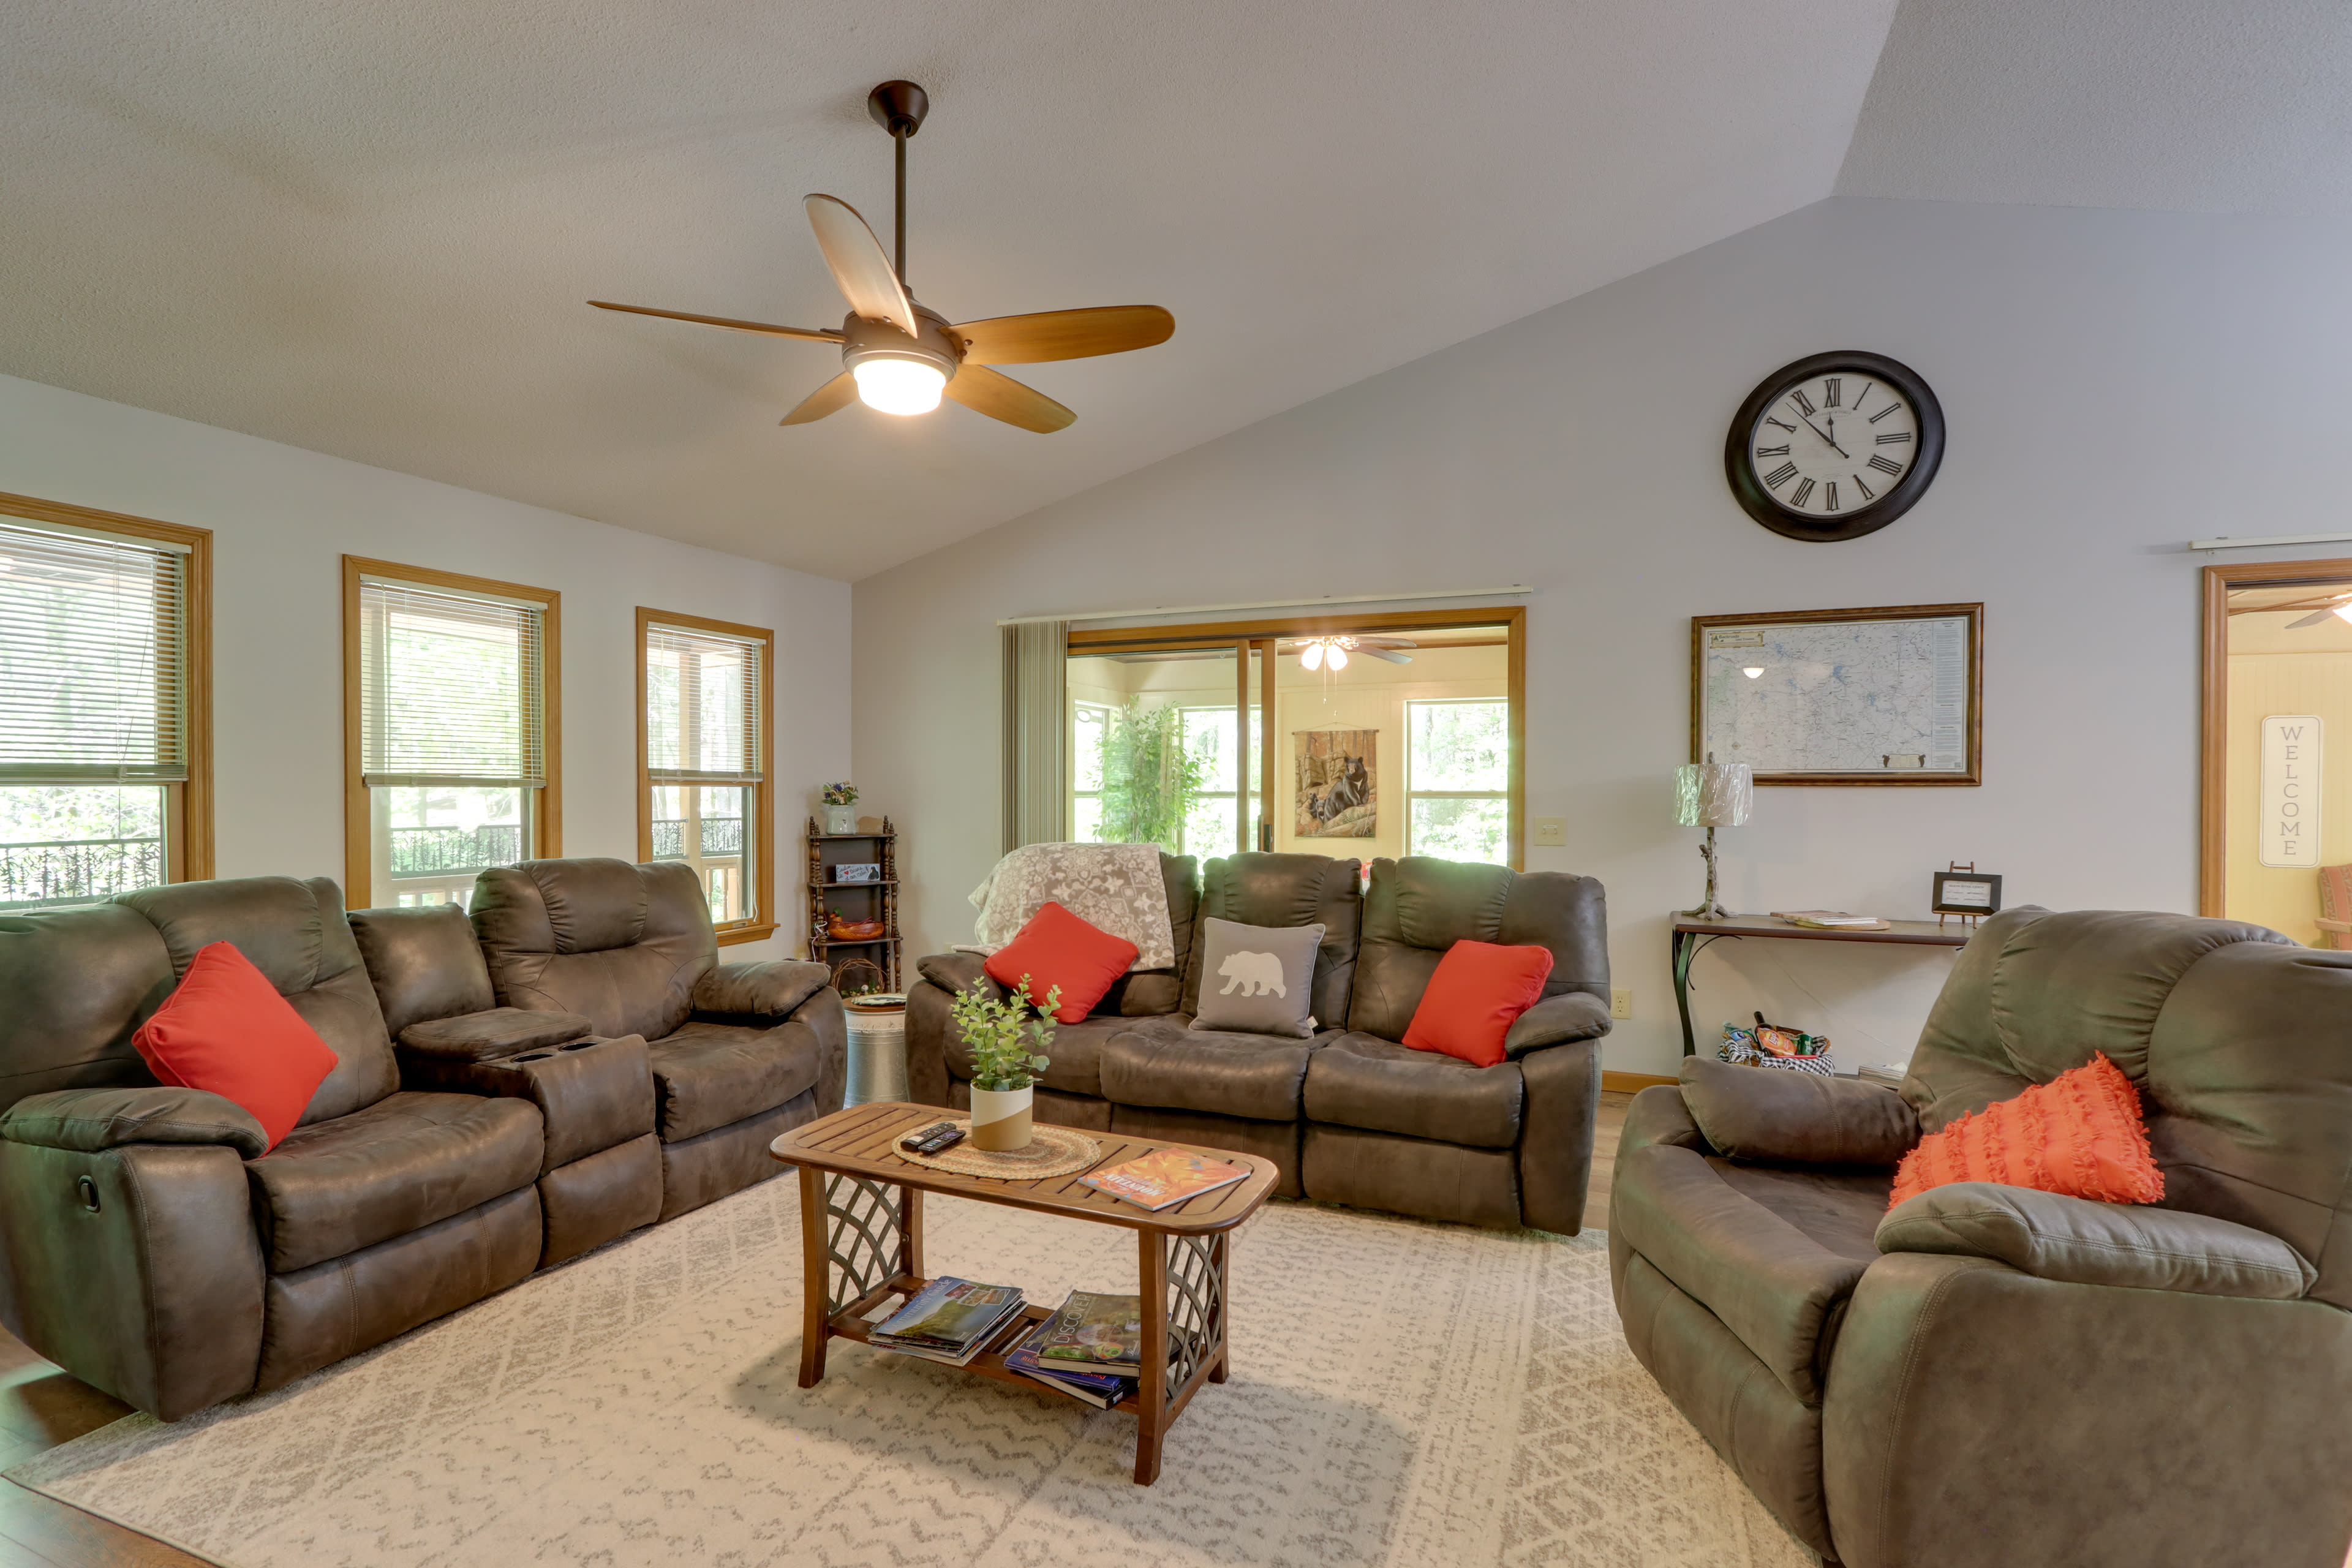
1388,735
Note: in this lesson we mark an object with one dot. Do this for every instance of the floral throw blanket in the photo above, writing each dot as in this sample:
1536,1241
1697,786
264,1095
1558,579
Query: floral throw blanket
1114,886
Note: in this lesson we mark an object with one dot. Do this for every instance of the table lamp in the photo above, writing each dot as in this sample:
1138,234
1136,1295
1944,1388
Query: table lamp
1712,795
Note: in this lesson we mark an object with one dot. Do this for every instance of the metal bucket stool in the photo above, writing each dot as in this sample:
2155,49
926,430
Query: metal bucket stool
878,1046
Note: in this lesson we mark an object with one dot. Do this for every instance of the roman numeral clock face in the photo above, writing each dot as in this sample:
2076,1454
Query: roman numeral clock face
1834,446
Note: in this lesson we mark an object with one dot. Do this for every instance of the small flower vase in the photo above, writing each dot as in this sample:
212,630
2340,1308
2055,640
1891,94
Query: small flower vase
840,819
1000,1117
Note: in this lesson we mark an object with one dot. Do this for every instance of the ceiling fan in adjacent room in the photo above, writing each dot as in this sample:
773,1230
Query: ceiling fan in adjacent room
1315,653
899,356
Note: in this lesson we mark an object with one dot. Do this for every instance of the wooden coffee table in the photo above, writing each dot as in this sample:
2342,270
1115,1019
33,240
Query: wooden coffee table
862,1243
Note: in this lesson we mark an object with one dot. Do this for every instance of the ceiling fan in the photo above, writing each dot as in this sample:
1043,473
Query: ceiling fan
2337,604
901,357
1315,653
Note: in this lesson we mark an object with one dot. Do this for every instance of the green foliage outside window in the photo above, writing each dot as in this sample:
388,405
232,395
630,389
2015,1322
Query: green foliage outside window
1149,777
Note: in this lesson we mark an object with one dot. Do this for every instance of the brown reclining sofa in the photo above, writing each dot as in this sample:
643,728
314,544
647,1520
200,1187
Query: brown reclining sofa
1352,1115
487,1117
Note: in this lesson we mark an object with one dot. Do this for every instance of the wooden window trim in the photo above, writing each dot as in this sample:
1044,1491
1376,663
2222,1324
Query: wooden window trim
764,925
192,859
547,819
1512,618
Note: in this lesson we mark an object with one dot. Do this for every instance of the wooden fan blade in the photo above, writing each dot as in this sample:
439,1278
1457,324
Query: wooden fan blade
859,263
1064,334
804,334
1369,651
831,397
2312,619
983,391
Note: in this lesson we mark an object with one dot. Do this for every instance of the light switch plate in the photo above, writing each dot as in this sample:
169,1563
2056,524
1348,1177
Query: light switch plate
1551,830
1621,1004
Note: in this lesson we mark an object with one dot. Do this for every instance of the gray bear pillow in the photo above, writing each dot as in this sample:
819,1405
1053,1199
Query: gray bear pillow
1257,980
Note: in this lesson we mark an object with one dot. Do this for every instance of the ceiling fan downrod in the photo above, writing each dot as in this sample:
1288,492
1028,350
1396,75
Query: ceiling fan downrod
898,107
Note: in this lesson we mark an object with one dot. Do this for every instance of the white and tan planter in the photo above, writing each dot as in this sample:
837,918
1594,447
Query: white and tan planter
1000,1117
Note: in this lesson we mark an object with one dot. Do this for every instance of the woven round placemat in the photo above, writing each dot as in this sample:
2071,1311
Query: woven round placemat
1051,1152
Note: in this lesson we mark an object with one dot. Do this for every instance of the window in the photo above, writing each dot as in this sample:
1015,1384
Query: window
703,752
1209,822
450,712
1457,780
104,745
1090,731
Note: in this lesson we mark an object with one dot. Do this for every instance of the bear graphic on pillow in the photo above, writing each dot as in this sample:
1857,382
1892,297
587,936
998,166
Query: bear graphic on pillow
1254,973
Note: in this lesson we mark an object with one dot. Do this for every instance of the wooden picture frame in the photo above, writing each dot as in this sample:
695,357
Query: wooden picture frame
1989,885
1709,729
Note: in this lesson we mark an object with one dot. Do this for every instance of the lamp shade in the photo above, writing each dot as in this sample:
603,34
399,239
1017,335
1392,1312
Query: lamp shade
1713,794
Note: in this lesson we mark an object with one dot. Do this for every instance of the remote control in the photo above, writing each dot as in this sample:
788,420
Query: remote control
932,1139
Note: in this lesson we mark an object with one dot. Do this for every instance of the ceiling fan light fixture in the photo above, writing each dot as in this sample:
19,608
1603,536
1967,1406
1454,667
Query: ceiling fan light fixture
1311,656
893,385
2344,610
1336,658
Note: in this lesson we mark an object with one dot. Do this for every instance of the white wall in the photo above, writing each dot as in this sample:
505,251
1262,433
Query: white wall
282,520
2115,384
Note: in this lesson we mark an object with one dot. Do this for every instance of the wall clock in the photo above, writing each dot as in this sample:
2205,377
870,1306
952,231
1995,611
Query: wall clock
1834,446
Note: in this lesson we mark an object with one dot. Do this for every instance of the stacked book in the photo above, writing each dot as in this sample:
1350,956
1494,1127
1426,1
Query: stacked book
1090,1347
949,1321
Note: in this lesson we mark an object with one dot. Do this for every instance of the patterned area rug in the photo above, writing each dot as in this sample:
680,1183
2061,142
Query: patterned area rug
1403,1393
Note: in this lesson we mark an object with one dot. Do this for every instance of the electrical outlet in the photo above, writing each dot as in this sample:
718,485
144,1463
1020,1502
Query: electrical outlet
1621,1004
1551,830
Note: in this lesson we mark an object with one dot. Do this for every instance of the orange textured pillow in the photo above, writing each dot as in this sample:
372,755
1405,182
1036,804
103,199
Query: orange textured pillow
1058,948
2080,1134
1477,994
226,1030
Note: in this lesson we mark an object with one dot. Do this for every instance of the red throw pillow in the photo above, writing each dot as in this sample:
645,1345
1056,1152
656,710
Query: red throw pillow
2079,1135
1477,994
226,1030
1057,948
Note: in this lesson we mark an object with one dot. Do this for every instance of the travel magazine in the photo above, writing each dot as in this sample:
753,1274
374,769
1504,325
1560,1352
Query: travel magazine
1163,1177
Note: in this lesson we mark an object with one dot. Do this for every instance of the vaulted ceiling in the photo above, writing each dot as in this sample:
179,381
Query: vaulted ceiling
369,229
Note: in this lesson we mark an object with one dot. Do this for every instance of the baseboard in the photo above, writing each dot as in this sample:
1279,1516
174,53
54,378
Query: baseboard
1630,1082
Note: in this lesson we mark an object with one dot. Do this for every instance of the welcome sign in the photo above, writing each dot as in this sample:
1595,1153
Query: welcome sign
2289,803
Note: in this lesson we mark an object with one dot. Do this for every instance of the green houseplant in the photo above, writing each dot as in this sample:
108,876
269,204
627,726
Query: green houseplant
1008,1043
1149,777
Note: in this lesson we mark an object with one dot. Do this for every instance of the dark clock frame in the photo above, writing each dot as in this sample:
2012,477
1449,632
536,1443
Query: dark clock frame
1765,508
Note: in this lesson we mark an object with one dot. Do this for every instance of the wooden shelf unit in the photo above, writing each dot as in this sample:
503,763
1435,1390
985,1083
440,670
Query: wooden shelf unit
879,899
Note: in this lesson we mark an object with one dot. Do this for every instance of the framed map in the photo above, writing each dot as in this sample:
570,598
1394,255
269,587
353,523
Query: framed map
1842,697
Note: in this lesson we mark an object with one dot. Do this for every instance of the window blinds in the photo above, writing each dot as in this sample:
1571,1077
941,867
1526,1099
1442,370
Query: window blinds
450,687
704,700
94,657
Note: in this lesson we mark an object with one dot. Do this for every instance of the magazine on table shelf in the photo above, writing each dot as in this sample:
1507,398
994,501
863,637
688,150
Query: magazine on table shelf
1094,1332
949,1320
1163,1177
1100,1389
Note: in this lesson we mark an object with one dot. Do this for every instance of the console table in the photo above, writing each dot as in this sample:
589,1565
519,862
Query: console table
1691,935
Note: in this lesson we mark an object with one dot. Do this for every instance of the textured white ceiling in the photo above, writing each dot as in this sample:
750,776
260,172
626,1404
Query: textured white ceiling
368,229
2179,105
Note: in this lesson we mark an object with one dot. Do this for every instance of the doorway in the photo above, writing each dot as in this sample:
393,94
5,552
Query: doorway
2276,814
1379,736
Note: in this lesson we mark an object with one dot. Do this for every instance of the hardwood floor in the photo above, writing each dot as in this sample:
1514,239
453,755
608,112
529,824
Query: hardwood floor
41,1407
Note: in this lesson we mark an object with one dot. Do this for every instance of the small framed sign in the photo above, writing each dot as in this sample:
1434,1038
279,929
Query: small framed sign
859,871
1966,893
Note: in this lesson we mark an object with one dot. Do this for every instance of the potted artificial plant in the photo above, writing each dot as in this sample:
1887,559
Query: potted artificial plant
841,808
1007,1044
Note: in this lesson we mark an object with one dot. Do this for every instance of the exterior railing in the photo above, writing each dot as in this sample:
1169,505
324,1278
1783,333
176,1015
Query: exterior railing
433,851
77,869
721,836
